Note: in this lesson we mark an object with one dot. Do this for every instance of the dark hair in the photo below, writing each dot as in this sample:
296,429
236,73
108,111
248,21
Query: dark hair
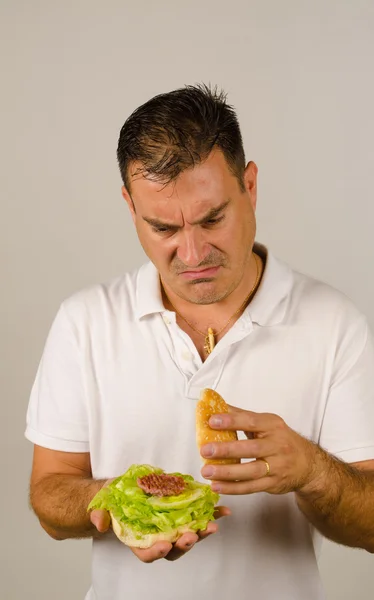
176,130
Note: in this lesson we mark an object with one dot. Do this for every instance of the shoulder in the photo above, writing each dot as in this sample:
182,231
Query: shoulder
322,297
308,299
308,302
102,302
330,312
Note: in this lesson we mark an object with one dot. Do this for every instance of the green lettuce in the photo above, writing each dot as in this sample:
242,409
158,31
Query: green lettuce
147,514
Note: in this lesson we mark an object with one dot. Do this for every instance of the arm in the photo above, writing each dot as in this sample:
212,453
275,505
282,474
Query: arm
61,488
340,502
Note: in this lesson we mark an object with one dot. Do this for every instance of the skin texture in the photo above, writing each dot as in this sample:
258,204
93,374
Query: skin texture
61,488
336,497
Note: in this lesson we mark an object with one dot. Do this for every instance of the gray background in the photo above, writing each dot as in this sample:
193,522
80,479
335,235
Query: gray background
301,77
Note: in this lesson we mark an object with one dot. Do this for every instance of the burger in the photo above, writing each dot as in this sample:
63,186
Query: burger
147,505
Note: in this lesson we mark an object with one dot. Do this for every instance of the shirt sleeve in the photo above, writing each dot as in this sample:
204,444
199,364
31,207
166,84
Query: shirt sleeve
348,424
57,410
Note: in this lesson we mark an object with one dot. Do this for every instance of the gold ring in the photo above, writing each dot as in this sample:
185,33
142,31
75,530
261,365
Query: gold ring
267,466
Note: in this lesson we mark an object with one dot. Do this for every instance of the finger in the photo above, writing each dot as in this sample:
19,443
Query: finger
255,469
210,529
234,408
255,448
101,520
237,488
186,541
246,420
155,552
183,545
212,526
221,511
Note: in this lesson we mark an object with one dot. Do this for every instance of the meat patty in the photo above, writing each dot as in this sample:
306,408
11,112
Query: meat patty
161,485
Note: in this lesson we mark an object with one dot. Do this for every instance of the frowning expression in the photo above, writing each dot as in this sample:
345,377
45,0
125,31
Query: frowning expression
198,230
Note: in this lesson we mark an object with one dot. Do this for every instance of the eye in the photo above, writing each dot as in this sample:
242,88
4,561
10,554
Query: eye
213,222
163,230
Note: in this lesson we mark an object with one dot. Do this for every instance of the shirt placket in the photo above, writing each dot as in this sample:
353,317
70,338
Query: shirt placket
198,374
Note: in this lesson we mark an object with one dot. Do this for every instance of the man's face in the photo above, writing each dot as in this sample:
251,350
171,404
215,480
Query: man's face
198,230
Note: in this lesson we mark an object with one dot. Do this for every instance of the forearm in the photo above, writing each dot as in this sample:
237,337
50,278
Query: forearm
60,502
340,503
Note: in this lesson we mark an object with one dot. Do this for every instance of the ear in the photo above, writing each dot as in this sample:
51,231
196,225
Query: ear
129,201
250,182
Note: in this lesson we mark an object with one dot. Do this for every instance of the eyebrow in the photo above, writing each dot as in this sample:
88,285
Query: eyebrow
213,213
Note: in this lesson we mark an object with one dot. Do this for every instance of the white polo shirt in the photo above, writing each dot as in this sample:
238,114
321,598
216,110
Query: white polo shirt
120,380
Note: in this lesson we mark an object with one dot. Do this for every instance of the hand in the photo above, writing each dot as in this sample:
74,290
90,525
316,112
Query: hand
183,544
293,461
101,520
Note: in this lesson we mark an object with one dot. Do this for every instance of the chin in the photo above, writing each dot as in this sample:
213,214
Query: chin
205,293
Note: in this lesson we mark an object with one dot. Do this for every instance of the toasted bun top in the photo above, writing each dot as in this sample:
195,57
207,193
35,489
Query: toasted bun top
211,403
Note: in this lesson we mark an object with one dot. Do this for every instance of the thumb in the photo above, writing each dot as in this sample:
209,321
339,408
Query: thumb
101,520
234,409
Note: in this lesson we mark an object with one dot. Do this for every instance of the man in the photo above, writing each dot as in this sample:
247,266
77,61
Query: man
125,362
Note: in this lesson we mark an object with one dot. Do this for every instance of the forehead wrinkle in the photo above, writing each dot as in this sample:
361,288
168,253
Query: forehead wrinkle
211,213
158,219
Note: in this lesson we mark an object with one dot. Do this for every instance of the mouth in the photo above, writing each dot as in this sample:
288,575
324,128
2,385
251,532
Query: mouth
204,274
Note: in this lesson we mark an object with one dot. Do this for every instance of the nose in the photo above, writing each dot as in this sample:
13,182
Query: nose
192,249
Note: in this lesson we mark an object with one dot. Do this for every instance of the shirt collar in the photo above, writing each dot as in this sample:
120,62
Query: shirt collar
267,308
269,305
148,292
